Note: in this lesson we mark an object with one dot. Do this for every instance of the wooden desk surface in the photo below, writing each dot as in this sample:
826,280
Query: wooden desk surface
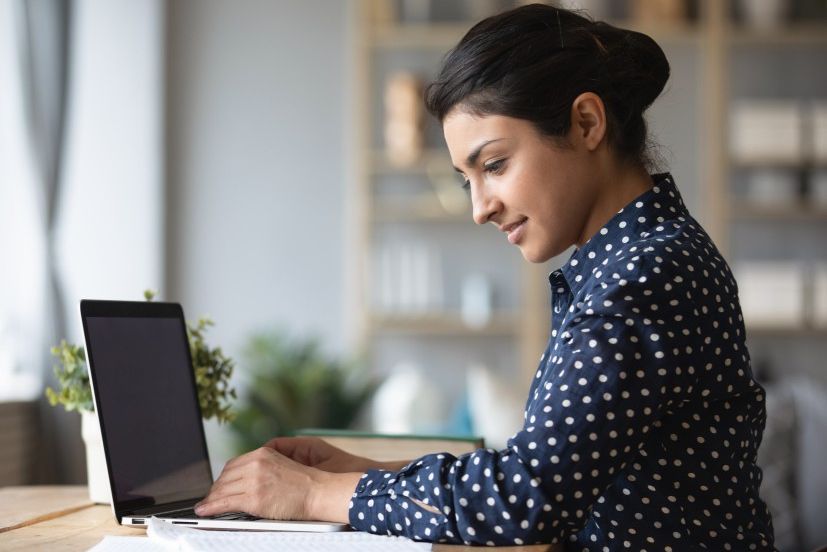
63,518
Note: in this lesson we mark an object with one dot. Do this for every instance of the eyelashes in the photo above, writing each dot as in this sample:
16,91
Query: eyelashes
495,167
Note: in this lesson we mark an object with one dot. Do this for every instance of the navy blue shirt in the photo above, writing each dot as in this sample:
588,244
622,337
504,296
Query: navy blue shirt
642,423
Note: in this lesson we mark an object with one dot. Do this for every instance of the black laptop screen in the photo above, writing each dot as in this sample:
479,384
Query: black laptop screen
147,400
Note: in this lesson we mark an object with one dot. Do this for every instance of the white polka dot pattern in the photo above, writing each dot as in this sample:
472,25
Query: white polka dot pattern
642,423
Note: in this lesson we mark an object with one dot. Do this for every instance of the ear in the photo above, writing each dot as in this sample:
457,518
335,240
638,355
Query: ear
588,120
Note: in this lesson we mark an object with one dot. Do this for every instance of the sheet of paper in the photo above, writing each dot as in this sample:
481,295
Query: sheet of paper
111,543
185,539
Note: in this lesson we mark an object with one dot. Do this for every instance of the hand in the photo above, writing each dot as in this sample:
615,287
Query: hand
318,453
267,484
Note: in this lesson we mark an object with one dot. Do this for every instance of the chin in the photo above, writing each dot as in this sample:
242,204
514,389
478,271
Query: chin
535,256
540,255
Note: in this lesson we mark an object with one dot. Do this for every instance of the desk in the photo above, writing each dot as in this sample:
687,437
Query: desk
62,518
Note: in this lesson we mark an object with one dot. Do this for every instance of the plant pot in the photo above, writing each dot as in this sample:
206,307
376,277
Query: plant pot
96,473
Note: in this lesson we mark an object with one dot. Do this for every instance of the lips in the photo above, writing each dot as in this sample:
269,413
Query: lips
509,227
515,231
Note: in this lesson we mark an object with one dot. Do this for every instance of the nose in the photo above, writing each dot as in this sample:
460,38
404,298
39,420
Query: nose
485,204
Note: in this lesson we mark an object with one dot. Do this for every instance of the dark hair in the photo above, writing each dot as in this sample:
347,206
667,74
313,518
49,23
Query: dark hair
533,61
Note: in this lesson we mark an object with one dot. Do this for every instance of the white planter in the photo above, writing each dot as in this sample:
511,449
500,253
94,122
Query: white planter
95,459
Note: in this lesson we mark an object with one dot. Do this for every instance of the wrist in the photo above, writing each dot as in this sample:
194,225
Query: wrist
329,495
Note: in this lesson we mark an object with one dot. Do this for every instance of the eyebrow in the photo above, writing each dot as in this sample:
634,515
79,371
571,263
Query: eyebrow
475,154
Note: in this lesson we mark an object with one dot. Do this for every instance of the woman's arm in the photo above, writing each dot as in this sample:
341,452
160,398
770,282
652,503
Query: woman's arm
291,478
267,484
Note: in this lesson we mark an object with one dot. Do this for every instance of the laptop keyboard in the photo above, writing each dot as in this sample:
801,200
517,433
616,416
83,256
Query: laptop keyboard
190,513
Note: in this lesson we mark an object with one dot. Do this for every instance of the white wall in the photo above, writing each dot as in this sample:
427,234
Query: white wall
257,97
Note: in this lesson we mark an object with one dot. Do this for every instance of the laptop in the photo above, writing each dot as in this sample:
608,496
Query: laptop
144,392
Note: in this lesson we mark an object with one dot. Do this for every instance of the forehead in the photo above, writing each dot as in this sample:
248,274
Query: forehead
464,131
460,125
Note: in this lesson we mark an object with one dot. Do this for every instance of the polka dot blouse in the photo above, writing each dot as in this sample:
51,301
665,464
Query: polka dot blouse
641,425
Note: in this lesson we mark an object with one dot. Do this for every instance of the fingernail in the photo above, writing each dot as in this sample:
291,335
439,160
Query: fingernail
199,508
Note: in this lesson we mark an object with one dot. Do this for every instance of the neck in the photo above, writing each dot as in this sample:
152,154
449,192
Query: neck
622,184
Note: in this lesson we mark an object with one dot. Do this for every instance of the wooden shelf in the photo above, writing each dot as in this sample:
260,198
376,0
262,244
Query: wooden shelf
444,323
803,330
800,211
791,34
764,162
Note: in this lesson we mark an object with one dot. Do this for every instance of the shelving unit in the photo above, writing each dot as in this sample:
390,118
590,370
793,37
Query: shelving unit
738,44
711,38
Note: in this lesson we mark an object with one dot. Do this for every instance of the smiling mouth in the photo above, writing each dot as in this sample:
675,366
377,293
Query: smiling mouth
515,231
507,229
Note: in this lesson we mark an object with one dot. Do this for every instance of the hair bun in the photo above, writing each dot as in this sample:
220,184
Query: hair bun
634,59
651,64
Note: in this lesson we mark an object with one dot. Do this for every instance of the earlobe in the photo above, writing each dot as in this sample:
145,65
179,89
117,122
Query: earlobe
588,117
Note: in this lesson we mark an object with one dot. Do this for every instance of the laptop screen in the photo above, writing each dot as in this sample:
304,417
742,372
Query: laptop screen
148,404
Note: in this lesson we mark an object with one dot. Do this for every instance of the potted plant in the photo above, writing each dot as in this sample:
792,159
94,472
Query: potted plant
294,386
212,376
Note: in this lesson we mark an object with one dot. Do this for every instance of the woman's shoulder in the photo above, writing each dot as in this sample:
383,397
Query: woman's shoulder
672,276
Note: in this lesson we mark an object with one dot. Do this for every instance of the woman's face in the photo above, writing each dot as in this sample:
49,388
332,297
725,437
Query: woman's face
540,193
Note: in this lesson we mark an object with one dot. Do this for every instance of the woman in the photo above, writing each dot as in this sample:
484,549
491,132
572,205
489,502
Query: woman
643,421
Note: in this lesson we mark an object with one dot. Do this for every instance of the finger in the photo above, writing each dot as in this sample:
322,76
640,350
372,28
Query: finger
277,442
261,463
237,487
233,461
224,483
288,446
228,503
305,450
245,459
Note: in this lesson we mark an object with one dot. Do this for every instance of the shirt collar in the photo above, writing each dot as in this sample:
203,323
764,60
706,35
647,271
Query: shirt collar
632,222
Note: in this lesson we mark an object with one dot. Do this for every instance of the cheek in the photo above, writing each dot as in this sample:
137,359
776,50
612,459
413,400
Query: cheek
558,218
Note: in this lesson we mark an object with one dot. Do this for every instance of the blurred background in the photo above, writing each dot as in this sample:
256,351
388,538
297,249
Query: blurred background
269,164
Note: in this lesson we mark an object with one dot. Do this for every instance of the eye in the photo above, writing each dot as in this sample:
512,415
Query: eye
464,182
495,167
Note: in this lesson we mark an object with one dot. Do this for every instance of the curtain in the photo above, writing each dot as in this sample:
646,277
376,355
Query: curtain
43,46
